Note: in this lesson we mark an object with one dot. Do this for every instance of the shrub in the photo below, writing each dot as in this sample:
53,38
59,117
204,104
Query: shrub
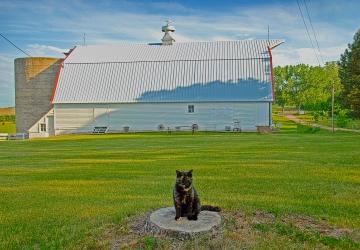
342,119
307,129
7,118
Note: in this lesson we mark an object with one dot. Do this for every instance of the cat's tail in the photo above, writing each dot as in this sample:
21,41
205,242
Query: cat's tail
210,208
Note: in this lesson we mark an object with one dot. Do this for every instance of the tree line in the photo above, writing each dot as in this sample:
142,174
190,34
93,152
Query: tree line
7,118
310,87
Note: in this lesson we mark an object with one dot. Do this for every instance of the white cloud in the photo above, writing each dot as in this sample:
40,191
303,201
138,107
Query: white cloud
291,55
7,90
43,50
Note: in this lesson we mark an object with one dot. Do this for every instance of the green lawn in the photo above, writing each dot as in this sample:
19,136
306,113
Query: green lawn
61,192
7,127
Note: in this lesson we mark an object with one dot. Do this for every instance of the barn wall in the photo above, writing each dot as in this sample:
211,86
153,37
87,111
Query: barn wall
47,120
72,118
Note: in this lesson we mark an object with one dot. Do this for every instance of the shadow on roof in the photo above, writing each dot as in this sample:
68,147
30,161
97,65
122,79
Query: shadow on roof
241,90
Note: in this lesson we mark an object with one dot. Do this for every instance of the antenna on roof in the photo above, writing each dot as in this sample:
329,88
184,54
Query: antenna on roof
167,39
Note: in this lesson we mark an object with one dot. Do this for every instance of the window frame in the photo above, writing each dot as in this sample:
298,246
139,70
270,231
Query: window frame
42,127
191,109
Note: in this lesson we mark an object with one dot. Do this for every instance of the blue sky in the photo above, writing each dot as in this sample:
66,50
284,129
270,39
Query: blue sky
47,28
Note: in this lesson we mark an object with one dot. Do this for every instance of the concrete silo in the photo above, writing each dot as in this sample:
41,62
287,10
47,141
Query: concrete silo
34,85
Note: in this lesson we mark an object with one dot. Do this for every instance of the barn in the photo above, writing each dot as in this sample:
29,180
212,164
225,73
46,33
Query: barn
212,86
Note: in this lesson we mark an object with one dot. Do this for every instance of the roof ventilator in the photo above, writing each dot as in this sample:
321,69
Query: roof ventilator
167,38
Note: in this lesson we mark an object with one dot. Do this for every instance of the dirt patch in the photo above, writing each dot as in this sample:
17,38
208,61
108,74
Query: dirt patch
263,217
306,223
239,230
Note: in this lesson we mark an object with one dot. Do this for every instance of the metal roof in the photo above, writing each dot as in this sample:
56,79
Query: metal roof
182,72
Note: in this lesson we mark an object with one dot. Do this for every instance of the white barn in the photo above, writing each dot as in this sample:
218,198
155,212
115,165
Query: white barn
218,86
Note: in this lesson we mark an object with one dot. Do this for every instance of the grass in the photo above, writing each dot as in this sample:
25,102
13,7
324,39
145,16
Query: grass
349,123
61,192
326,121
8,127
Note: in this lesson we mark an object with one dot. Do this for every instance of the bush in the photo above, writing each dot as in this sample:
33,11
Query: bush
316,115
7,118
342,119
307,129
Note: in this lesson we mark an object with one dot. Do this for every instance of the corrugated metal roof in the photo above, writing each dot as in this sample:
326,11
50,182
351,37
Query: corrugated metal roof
196,71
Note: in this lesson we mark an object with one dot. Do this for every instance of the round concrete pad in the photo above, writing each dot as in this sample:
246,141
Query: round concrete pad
164,218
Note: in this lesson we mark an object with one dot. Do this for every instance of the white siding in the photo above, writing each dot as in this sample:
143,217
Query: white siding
73,118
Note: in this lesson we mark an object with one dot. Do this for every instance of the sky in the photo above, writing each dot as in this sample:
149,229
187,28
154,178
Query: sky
50,27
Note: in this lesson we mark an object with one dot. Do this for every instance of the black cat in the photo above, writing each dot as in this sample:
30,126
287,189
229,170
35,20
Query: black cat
186,199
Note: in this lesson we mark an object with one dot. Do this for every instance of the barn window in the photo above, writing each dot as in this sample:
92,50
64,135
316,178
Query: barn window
42,127
191,109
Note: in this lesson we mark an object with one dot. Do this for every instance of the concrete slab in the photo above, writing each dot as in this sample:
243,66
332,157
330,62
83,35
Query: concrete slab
163,220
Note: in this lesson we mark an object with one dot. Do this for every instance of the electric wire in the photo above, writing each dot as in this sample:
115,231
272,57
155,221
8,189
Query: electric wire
14,45
313,30
307,31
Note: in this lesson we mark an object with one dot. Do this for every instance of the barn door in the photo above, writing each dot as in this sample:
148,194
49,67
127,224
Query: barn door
50,125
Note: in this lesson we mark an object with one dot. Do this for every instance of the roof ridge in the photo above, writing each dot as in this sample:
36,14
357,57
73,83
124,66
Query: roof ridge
177,43
178,60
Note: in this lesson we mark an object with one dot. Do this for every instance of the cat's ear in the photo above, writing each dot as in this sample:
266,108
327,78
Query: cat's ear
178,173
190,173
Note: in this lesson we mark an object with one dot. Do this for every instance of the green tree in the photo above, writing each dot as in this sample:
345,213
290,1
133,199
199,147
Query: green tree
281,89
290,85
350,75
305,86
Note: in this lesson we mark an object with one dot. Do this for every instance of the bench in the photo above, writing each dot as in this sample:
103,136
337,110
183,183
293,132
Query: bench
100,130
18,136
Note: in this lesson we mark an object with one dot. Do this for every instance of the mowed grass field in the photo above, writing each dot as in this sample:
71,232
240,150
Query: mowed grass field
62,192
7,127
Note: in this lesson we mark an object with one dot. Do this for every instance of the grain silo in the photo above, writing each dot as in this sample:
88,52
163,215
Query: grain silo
34,84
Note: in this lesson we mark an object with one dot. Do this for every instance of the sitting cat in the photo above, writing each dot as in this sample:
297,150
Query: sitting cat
186,199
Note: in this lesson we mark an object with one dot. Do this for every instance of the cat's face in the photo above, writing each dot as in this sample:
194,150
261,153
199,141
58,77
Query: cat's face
184,179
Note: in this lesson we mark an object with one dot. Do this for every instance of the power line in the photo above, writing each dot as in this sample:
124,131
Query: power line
14,45
313,30
307,31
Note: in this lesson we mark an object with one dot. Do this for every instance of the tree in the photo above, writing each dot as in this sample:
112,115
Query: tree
281,90
305,86
350,75
290,85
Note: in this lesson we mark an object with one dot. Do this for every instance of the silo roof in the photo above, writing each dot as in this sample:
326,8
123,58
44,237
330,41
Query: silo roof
182,72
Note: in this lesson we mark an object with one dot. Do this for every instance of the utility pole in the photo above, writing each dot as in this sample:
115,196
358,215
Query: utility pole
84,39
332,107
